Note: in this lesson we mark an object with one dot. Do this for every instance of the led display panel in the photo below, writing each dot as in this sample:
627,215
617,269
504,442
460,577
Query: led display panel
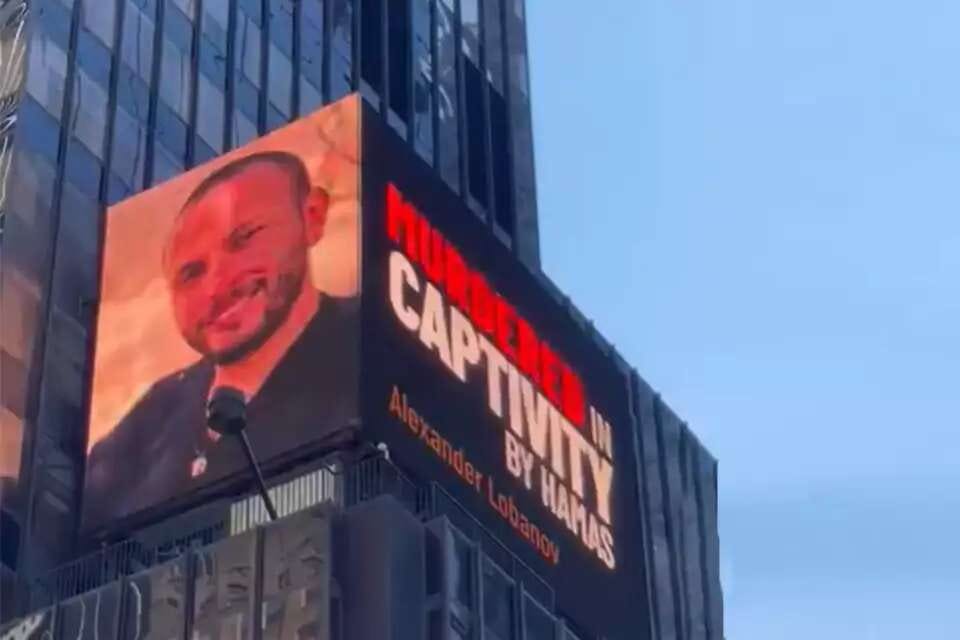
241,273
481,382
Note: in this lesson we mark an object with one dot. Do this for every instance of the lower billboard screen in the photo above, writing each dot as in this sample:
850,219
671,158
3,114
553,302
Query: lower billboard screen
241,273
479,380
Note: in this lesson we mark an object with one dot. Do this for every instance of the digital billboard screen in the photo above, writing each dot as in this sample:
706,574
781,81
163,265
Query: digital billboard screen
242,273
478,379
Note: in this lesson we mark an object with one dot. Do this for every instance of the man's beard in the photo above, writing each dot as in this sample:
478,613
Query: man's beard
290,286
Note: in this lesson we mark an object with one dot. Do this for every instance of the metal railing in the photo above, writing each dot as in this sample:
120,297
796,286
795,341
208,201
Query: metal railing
337,484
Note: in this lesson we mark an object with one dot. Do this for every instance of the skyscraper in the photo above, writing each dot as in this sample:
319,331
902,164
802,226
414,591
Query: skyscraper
103,99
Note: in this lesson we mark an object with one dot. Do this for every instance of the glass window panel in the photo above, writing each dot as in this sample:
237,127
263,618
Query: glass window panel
137,44
246,80
94,57
224,587
155,604
165,165
281,84
311,56
40,132
202,153
461,568
75,269
171,131
497,603
521,134
502,161
281,24
494,46
398,22
476,132
210,113
178,27
244,130
99,17
46,73
423,80
175,77
83,170
447,103
252,9
218,11
92,616
117,190
310,98
248,48
371,43
54,21
275,119
128,149
132,93
188,7
538,623
470,29
341,63
89,112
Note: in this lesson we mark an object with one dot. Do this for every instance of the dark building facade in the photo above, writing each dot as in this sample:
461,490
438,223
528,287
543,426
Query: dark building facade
101,99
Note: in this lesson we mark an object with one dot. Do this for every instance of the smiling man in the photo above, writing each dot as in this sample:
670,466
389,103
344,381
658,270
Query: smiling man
237,268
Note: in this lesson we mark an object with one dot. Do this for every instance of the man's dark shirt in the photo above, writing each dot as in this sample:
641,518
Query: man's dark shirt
152,454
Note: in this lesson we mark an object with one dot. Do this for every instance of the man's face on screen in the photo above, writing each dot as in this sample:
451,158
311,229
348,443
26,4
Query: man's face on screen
236,262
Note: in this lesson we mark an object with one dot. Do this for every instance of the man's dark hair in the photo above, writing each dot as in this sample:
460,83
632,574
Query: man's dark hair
287,162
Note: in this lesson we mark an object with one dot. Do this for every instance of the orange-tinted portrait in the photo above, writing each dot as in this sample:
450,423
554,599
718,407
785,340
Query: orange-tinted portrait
241,273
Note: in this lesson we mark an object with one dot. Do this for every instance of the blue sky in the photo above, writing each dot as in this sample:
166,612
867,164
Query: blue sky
758,202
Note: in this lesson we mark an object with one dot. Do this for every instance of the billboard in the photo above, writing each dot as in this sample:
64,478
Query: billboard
478,379
243,272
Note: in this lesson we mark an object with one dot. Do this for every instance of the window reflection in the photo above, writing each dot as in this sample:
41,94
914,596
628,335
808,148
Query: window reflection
165,165
99,17
422,80
281,52
212,78
524,189
129,141
494,42
311,56
137,42
470,29
89,112
281,82
175,76
447,100
246,74
341,63
47,73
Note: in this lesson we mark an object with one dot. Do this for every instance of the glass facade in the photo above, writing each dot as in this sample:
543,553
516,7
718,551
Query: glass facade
679,498
120,95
